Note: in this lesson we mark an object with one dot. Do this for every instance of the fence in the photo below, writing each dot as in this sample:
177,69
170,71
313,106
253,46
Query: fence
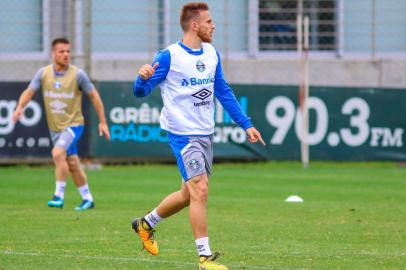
247,27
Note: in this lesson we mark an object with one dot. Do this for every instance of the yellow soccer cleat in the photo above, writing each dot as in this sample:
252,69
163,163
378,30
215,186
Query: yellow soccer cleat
209,263
146,233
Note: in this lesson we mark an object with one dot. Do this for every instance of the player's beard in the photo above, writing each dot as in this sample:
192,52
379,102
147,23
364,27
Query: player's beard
205,36
64,63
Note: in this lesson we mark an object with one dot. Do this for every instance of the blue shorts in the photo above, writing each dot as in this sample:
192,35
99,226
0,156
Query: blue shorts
68,139
194,154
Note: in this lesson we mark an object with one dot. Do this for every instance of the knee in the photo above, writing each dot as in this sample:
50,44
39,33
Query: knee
58,154
200,192
73,165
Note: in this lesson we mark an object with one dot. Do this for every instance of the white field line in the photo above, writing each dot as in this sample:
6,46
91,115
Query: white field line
114,258
360,254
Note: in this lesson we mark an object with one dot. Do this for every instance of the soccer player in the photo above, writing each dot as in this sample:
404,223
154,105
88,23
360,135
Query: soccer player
62,86
189,74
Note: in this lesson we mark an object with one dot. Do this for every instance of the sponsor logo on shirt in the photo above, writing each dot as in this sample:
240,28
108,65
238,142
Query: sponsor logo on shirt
185,82
202,95
52,94
196,81
57,106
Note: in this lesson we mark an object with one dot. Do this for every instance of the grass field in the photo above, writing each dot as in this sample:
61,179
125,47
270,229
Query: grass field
353,217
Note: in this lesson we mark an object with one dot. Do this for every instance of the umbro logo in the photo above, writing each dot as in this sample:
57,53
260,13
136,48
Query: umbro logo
58,105
202,94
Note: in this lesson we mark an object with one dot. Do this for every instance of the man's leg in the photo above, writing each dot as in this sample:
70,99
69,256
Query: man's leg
169,206
61,166
61,174
80,179
62,142
78,175
198,187
174,202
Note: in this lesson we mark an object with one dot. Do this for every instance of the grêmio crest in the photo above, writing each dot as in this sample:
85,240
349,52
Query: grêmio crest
200,66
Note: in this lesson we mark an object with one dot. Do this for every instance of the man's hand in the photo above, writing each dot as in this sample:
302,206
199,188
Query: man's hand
254,135
25,97
17,114
104,129
146,71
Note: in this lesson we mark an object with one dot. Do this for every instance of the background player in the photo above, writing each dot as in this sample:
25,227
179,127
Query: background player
62,86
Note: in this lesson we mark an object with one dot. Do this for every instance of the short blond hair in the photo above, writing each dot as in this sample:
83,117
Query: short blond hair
191,11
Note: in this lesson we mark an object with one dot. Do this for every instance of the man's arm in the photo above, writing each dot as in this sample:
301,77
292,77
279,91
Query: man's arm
150,76
99,108
86,86
25,97
225,95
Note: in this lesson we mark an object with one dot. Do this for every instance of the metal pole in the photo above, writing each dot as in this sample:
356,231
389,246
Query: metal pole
88,37
302,50
70,25
253,31
151,24
340,30
46,30
305,110
373,28
299,34
167,22
226,50
79,28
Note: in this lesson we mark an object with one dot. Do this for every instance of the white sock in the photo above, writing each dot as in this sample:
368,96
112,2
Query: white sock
60,188
85,193
202,246
153,219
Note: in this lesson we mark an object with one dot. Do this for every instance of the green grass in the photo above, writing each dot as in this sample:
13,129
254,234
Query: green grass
353,217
